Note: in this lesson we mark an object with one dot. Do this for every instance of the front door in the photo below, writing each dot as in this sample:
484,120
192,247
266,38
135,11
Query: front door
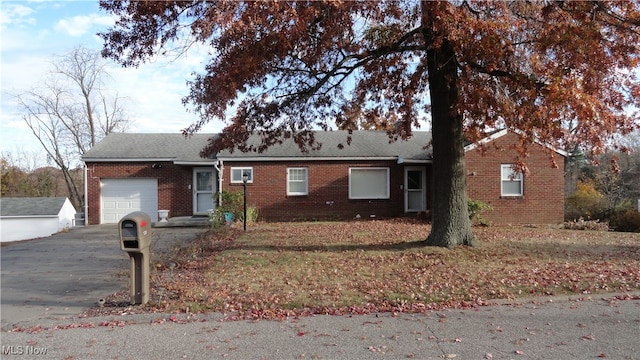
414,189
204,187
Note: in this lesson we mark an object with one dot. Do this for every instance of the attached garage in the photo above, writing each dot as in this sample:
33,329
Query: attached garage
119,197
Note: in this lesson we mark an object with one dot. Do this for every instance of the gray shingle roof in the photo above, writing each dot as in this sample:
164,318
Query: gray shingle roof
177,148
364,144
151,147
25,206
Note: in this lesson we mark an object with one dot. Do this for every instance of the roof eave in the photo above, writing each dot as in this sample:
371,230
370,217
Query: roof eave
418,161
92,160
28,216
485,140
196,163
307,158
503,132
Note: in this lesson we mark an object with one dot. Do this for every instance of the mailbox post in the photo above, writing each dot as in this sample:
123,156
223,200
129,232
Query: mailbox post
135,238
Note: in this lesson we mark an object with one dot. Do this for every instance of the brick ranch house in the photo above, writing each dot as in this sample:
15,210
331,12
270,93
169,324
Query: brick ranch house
369,178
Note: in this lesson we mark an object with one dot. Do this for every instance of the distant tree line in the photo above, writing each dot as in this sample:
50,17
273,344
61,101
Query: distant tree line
20,180
596,191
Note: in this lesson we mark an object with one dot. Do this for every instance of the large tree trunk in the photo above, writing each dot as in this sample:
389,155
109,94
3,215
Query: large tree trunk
450,218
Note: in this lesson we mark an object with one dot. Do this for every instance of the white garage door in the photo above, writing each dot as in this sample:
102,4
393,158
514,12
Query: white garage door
122,196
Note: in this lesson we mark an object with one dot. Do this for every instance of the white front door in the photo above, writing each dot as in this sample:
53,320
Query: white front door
204,187
414,189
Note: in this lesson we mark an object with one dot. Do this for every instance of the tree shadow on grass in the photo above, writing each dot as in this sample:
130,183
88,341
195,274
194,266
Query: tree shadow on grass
399,246
589,252
544,251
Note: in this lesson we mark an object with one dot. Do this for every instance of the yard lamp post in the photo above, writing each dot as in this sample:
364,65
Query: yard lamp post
245,178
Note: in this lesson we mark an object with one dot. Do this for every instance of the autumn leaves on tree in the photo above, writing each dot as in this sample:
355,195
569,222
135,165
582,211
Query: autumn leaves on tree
562,73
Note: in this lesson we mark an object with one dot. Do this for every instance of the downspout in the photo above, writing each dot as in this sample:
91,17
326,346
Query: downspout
219,165
86,197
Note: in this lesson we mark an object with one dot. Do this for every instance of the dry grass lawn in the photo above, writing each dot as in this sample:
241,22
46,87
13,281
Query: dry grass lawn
284,269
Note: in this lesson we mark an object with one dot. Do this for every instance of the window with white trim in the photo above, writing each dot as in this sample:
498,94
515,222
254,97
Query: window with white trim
511,181
237,172
297,181
368,183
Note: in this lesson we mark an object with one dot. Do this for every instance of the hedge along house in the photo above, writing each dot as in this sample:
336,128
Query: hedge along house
369,177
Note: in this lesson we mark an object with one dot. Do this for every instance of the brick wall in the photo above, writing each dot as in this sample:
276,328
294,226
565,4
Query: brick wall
174,183
328,198
543,195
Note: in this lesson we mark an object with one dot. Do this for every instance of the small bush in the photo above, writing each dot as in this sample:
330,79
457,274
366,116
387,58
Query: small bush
232,202
627,221
252,214
216,218
581,224
475,208
585,202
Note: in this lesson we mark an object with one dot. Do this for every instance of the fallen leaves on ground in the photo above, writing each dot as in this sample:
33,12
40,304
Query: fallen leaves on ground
280,270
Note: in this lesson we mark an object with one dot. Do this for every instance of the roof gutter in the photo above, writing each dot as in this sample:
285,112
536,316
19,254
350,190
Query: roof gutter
429,161
196,163
86,160
27,216
309,158
172,160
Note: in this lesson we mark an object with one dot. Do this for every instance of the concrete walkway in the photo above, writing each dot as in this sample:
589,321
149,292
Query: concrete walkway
47,282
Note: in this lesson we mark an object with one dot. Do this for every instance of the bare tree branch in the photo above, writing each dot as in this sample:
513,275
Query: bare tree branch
69,112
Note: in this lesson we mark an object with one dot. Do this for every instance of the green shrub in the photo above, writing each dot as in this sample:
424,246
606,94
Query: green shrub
252,214
232,202
627,221
475,208
585,202
216,218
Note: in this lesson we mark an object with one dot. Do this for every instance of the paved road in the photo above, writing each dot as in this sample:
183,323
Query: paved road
558,330
46,282
62,275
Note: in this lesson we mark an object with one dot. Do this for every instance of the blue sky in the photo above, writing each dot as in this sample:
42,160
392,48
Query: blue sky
31,32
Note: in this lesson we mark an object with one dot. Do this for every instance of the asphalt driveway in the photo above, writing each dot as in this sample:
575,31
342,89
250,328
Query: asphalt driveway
62,275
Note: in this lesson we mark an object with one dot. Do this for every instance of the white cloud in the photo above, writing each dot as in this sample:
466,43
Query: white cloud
155,90
15,14
16,135
152,92
80,25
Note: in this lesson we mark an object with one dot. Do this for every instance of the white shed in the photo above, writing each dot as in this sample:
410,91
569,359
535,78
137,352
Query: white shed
24,218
